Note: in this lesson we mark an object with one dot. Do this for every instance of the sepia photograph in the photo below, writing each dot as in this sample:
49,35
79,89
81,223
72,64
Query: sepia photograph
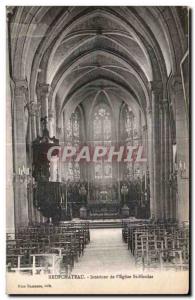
97,150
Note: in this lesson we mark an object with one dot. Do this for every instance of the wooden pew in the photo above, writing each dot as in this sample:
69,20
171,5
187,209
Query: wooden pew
33,243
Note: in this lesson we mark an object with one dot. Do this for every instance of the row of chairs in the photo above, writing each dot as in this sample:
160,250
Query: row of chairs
46,248
164,245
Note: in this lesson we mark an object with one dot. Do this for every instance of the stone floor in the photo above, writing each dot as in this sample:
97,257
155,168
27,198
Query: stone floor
106,253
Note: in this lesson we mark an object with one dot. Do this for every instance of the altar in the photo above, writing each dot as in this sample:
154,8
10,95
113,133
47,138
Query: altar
104,210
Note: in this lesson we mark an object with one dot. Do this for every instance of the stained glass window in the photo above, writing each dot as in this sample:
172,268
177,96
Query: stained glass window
73,138
73,128
102,123
129,130
69,171
129,172
107,170
130,123
102,132
98,170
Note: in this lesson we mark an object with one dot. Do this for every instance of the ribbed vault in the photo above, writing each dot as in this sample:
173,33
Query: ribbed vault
77,46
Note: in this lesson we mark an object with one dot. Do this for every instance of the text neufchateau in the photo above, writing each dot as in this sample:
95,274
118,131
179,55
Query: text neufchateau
97,153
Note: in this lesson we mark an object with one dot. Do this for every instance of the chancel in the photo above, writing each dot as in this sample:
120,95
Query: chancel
97,135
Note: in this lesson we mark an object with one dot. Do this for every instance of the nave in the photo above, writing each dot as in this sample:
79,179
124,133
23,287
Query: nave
97,114
106,254
97,131
138,247
74,248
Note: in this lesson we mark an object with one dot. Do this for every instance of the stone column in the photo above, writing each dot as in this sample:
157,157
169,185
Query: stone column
20,187
34,113
43,91
60,134
10,220
38,121
156,89
173,208
150,162
166,159
51,120
162,157
182,140
140,128
145,140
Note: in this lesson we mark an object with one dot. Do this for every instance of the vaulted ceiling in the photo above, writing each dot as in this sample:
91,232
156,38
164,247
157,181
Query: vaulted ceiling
82,51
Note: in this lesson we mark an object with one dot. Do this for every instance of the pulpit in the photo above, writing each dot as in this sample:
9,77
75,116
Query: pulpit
47,194
47,198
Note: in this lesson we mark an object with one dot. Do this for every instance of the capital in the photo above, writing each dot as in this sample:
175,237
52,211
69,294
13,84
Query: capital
34,108
165,104
175,83
156,86
43,90
161,106
149,109
58,130
20,86
51,114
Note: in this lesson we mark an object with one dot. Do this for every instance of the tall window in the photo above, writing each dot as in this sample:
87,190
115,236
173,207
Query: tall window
102,132
102,123
73,138
129,132
73,128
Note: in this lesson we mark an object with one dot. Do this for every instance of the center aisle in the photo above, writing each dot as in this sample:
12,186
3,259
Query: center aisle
106,253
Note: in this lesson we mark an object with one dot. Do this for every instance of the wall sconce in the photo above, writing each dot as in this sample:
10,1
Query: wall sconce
23,175
181,169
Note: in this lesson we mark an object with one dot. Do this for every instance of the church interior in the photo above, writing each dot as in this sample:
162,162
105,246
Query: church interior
100,79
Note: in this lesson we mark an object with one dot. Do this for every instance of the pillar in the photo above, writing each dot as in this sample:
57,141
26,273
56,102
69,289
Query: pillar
173,187
182,140
145,140
166,159
162,157
10,221
150,162
51,120
20,187
34,113
156,95
43,91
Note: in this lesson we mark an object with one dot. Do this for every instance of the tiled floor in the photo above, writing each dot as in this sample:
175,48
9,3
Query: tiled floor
106,253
